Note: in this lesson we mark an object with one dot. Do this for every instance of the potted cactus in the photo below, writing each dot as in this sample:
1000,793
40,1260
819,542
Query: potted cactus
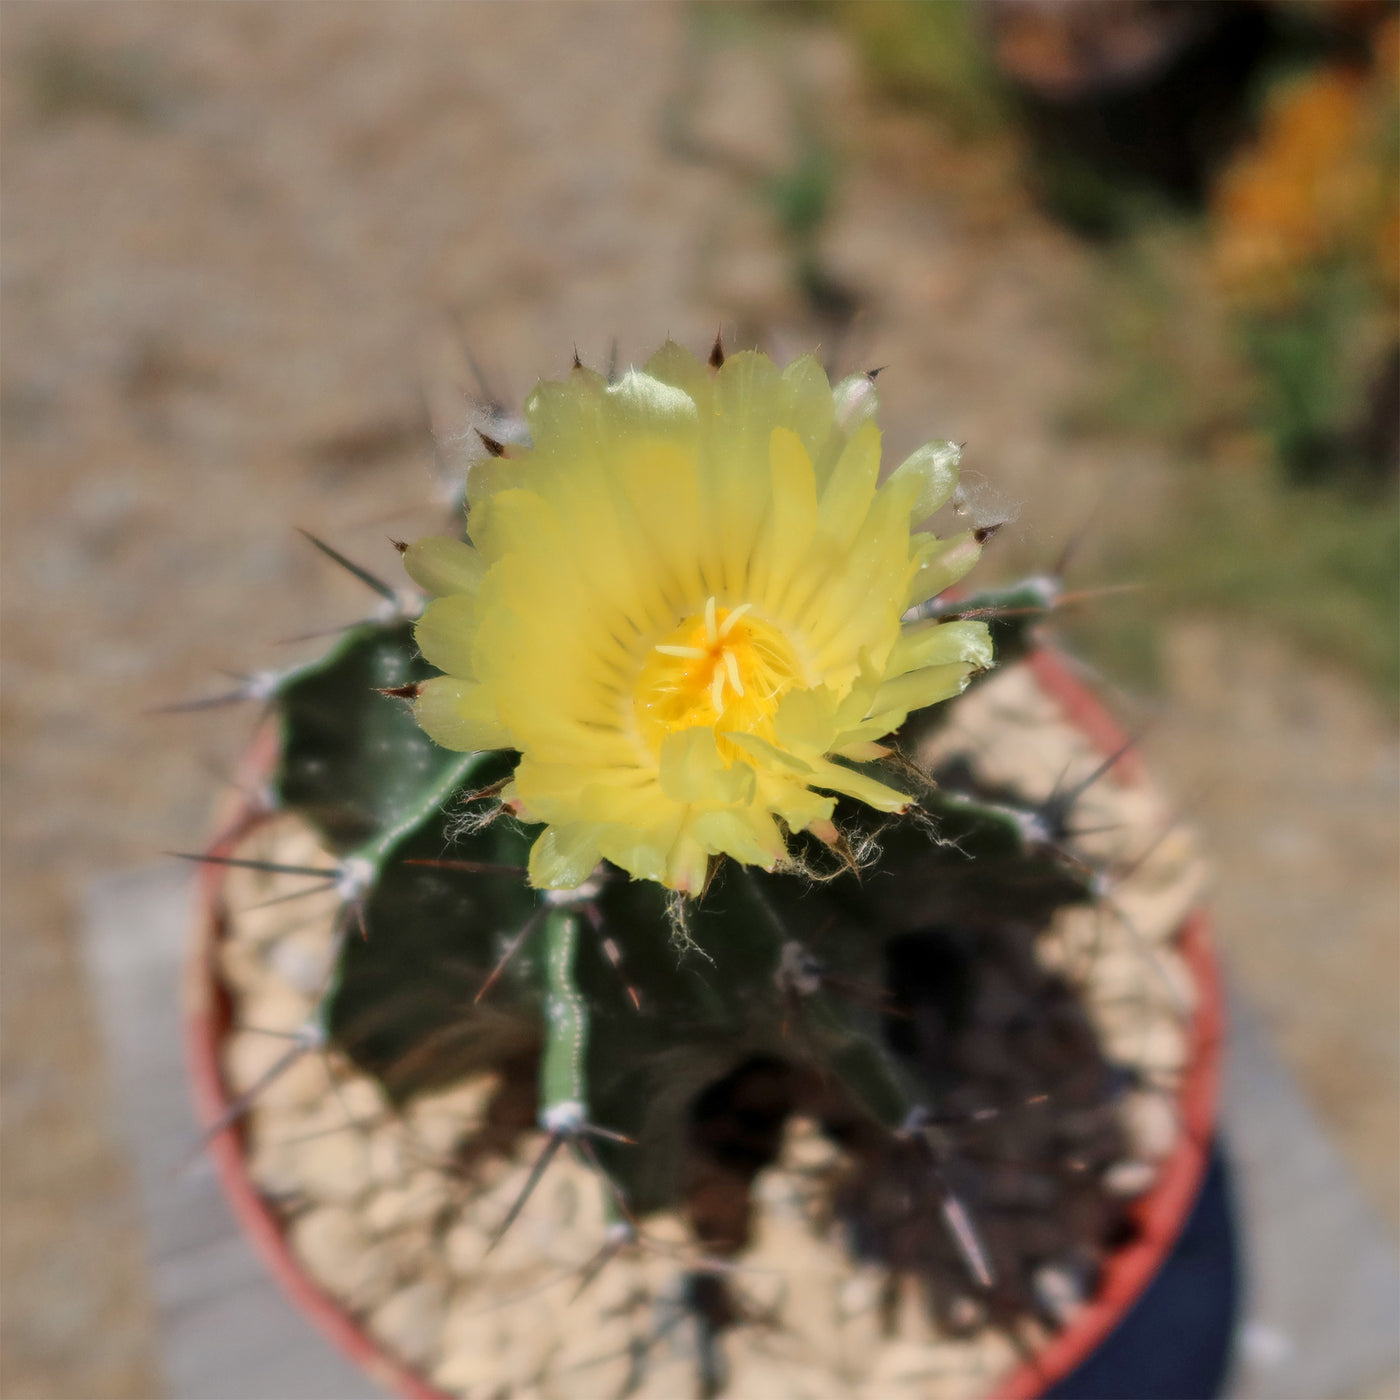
674,961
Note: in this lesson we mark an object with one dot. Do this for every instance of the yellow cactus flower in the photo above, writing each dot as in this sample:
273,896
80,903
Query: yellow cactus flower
682,605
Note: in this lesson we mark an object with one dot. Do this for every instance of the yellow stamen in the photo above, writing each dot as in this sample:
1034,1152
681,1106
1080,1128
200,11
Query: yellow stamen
728,624
731,666
727,669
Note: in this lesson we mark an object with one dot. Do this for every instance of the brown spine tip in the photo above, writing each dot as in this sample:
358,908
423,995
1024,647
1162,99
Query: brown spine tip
400,545
717,351
578,363
986,532
496,449
401,692
873,374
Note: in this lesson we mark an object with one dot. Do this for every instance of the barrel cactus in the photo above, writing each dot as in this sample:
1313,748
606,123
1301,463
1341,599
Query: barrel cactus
637,810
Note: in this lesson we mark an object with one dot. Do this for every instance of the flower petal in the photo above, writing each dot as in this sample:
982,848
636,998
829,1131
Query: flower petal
675,365
837,778
791,522
445,633
687,865
796,804
770,754
941,563
809,411
747,835
856,401
563,857
925,687
693,770
440,565
639,403
644,854
805,721
940,644
459,715
848,494
935,466
863,751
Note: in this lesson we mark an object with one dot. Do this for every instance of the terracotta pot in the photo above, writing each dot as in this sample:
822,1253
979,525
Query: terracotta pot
1159,1215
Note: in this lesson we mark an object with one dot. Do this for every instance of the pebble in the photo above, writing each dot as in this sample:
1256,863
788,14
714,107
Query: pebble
861,1292
659,1272
414,1253
667,1230
442,1120
583,1202
807,1149
913,1320
898,1361
493,1346
410,1323
339,1254
1130,1178
388,1154
286,840
760,1294
271,1005
303,959
1152,1123
859,1336
273,1166
1119,823
334,1165
594,1357
241,966
966,1314
472,1339
757,1371
780,1194
809,1312
465,1247
619,1288
263,927
360,1097
1058,1292
671,1368
416,1202
249,1056
1175,861
1154,1042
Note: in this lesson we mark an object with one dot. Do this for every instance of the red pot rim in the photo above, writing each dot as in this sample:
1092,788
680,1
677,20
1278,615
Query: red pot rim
1159,1215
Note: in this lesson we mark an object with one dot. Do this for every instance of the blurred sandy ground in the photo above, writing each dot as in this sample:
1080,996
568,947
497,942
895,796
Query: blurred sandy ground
235,238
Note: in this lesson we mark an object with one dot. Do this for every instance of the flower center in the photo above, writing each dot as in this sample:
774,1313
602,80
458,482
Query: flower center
724,668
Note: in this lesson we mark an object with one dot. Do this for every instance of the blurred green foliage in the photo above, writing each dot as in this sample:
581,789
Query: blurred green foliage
929,54
1317,557
1315,364
1310,562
